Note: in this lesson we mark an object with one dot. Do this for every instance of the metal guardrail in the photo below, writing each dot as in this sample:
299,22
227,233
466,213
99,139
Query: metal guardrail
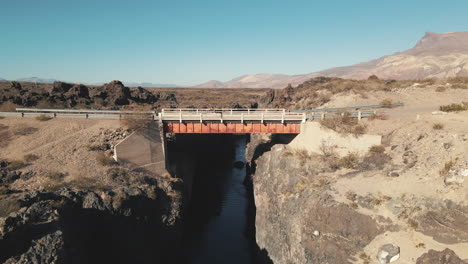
200,115
350,108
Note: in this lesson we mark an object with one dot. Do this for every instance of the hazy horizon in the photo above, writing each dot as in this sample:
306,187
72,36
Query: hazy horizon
193,42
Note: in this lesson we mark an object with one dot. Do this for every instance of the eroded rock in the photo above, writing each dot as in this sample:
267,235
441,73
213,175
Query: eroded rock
388,253
446,256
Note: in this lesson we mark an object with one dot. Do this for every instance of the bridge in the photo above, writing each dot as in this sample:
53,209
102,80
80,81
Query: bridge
146,148
208,121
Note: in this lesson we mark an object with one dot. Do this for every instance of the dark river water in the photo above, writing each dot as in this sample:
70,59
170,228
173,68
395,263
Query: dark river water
218,222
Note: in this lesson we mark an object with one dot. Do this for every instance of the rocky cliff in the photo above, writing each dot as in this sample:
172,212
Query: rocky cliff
322,208
136,222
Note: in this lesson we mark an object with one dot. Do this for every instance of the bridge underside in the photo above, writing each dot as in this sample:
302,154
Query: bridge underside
231,128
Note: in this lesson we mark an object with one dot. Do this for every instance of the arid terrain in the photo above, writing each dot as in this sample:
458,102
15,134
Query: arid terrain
411,191
436,55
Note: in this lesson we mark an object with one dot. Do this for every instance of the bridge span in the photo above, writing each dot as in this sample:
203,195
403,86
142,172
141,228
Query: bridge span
241,121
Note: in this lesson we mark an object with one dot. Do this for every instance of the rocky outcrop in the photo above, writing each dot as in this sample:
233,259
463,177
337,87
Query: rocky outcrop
134,224
445,256
297,221
62,94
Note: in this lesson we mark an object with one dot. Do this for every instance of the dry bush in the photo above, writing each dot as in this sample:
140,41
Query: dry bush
441,89
119,175
377,149
2,117
16,165
365,258
438,126
55,176
379,116
387,103
349,161
24,131
135,122
104,159
43,117
413,224
447,166
420,245
94,147
375,161
344,124
454,107
327,149
30,157
303,156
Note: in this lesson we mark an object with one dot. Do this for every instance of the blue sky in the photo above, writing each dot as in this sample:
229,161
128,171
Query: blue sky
190,42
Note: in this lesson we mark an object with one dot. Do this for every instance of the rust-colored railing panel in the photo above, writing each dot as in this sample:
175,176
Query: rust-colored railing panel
230,128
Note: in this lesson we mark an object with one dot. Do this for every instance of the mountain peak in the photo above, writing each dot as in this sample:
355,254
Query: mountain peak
441,42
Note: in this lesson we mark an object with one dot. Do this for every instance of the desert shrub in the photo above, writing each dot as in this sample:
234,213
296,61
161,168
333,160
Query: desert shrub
413,224
377,149
303,156
3,127
55,176
94,147
327,149
15,165
43,117
420,245
345,124
379,116
387,103
30,157
438,126
375,161
118,175
135,122
441,89
104,159
2,117
454,107
24,131
349,161
447,166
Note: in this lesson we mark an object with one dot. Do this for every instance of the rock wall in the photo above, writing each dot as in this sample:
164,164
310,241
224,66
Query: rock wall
134,224
297,221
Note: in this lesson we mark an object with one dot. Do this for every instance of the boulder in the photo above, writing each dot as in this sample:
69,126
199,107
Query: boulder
15,85
445,256
388,253
457,174
78,90
60,87
117,93
141,95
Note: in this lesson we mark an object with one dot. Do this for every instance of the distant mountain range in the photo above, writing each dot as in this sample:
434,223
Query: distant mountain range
436,55
128,84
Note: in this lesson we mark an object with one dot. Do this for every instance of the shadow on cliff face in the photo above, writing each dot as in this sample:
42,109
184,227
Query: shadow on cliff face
265,145
87,227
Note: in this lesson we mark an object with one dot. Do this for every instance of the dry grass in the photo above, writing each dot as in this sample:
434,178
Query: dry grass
365,258
378,116
377,149
43,118
303,156
344,124
420,245
16,165
135,122
104,159
438,126
440,89
349,161
413,224
30,157
447,166
375,161
454,107
25,130
387,103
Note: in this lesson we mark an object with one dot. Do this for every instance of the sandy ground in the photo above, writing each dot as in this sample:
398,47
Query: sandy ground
410,128
61,145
